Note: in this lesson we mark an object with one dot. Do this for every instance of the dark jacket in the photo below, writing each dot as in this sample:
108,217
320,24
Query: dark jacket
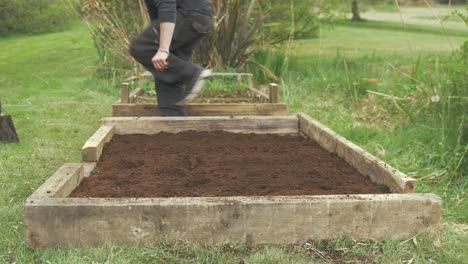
166,10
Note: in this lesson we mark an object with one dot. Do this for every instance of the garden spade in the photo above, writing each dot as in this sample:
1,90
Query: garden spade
7,128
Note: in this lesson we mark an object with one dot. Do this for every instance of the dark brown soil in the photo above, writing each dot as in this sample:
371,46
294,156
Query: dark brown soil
193,164
220,97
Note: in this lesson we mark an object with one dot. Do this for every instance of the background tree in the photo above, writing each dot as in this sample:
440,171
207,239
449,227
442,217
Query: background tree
355,11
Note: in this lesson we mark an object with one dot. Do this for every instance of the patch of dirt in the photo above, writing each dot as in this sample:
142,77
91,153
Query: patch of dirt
221,97
206,164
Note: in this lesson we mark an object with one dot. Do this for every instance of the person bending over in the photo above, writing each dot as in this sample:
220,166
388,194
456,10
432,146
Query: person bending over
165,48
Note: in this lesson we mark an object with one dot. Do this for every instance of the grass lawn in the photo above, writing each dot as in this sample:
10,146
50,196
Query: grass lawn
47,84
429,19
448,30
358,41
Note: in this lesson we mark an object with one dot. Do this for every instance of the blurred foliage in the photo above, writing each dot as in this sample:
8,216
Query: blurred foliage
33,16
240,29
113,23
462,15
235,34
300,18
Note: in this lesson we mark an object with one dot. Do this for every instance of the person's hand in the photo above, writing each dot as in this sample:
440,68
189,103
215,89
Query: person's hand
160,60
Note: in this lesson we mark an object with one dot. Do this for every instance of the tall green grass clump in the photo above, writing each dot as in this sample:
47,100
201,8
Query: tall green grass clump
113,24
436,100
408,111
451,115
268,65
33,16
423,97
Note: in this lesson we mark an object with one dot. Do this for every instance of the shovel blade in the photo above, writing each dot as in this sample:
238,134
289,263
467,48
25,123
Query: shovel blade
8,130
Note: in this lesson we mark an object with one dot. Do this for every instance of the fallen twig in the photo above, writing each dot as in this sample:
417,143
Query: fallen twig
390,97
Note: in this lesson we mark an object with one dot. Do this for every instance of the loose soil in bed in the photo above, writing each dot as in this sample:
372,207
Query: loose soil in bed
194,164
220,97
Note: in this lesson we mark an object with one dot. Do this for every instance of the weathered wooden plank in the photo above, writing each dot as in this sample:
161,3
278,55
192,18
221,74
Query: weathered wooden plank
62,182
242,124
237,110
221,100
124,95
134,94
243,109
127,110
260,94
143,221
365,163
92,149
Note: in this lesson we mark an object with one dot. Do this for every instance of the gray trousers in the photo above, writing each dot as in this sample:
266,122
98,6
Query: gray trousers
181,74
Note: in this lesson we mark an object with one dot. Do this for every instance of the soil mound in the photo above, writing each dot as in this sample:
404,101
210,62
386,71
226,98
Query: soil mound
196,164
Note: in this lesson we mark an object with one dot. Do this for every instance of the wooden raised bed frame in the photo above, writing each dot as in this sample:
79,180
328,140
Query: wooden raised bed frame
261,104
52,219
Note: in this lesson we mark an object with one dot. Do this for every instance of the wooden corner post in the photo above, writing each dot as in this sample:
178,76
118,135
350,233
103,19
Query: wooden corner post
239,82
125,94
274,93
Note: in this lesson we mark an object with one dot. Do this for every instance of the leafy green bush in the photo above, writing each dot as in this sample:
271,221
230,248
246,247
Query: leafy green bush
113,24
298,19
33,16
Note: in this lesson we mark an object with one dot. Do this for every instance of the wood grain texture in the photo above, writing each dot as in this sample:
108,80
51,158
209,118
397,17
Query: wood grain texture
274,93
243,109
134,94
280,220
62,182
365,163
92,149
242,124
124,96
261,96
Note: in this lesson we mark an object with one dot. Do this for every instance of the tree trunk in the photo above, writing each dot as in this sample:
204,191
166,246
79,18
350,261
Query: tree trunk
355,11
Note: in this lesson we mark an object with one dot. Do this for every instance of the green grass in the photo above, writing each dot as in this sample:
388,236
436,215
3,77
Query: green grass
411,28
444,18
47,83
366,42
412,137
391,8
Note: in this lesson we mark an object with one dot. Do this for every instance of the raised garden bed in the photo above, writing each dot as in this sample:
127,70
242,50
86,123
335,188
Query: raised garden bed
215,164
280,211
251,102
